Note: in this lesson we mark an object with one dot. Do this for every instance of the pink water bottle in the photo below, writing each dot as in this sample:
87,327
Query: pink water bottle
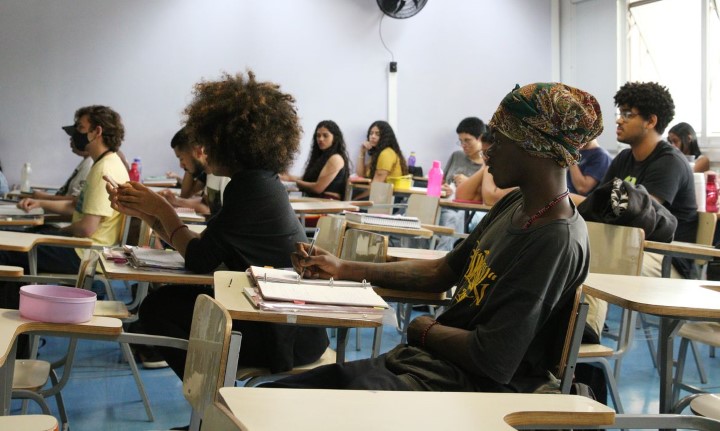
711,194
134,172
435,179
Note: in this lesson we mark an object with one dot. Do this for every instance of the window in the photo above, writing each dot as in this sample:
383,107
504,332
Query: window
677,44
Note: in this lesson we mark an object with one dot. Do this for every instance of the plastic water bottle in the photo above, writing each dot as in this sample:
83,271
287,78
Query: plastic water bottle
711,193
411,160
435,179
139,167
134,172
25,178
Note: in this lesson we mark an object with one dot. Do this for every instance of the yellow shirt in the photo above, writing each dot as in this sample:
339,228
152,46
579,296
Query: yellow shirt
388,160
94,200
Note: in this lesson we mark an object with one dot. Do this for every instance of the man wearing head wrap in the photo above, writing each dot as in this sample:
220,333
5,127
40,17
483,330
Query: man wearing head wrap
516,273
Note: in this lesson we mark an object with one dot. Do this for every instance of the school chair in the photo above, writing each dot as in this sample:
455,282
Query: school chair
693,331
332,231
614,249
220,418
381,195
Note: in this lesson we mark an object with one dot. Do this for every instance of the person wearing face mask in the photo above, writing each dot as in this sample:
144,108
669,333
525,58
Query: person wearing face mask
99,131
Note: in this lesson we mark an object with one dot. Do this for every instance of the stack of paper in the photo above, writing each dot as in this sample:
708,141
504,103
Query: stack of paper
142,257
284,285
383,220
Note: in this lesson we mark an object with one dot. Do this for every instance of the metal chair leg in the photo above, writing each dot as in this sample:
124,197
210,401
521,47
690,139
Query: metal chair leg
127,353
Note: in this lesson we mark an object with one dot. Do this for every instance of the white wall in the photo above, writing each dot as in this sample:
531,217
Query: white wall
589,52
456,58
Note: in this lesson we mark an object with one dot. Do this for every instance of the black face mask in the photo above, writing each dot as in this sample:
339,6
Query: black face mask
80,140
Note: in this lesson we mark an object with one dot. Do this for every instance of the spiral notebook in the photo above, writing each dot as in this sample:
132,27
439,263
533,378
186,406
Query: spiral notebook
383,220
284,285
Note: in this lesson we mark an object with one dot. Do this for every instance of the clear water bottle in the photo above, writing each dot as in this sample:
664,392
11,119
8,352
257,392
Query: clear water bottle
139,167
411,160
134,172
25,178
435,179
711,193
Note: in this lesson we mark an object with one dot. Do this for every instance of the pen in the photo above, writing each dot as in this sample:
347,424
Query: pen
312,243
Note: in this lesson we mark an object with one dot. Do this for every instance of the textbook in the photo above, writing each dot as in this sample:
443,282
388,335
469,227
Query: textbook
284,285
143,257
383,220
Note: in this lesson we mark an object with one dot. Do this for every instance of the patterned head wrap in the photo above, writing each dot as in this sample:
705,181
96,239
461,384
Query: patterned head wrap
549,120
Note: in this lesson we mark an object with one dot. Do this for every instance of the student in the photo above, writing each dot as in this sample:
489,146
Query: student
516,273
682,136
645,109
385,157
92,216
70,190
326,170
481,186
193,161
586,175
249,131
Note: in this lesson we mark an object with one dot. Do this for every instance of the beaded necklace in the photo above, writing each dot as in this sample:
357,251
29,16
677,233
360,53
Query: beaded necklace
546,208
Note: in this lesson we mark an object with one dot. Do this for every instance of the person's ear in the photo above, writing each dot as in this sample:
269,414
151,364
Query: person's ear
651,121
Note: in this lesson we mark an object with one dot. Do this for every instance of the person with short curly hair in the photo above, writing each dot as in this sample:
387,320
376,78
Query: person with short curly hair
386,158
645,109
327,166
250,132
683,136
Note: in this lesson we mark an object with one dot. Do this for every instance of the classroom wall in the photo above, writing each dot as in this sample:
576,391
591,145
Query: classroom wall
590,54
456,58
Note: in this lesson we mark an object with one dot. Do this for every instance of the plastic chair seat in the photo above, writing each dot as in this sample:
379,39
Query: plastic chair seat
704,332
595,350
30,374
707,405
245,373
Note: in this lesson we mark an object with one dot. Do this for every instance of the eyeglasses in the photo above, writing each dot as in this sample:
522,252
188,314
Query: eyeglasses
460,143
626,114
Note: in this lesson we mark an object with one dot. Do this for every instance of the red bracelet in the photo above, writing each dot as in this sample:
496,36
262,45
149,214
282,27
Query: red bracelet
172,235
425,332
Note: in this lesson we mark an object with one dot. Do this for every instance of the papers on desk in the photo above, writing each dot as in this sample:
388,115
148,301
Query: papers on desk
383,220
160,181
143,257
189,214
258,301
284,285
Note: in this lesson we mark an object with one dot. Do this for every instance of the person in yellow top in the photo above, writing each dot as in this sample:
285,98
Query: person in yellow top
385,157
92,216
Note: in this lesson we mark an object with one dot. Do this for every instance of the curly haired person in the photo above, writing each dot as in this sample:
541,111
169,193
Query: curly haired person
386,159
249,131
516,273
644,111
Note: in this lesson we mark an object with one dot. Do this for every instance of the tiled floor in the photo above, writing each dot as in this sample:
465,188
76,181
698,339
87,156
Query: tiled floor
102,395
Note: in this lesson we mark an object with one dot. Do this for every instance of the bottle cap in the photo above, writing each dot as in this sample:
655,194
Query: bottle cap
436,164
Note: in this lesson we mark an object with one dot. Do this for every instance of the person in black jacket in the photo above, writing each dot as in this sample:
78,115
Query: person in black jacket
250,132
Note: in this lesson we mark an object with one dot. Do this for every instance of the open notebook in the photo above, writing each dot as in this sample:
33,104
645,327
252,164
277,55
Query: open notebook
284,285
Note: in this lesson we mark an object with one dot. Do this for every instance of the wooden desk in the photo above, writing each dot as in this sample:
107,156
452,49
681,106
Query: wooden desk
11,215
396,191
29,422
673,300
324,409
122,271
28,242
404,253
12,325
468,208
324,206
422,232
229,293
685,250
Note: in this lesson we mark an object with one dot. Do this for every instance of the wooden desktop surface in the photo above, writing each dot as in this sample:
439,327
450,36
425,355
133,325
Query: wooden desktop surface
24,242
471,206
123,271
324,409
682,249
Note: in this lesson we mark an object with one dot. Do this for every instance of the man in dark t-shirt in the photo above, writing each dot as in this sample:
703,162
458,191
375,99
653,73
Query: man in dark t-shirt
515,274
645,109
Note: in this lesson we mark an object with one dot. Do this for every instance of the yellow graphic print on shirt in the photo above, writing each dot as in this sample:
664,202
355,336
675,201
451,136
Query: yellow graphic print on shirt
632,180
478,276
